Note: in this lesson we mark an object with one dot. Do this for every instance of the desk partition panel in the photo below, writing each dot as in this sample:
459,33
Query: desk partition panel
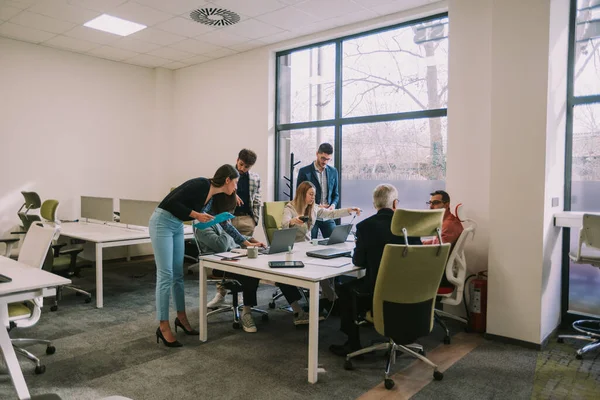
100,208
136,212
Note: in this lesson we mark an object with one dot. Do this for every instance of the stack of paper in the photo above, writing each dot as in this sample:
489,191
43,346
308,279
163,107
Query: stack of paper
333,262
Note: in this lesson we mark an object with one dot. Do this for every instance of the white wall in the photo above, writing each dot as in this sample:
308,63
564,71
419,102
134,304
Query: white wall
73,125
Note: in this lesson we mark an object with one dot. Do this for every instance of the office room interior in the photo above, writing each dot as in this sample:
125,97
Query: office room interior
74,122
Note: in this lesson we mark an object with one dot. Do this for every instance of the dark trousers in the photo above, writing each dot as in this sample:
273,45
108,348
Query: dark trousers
326,227
291,293
249,285
348,314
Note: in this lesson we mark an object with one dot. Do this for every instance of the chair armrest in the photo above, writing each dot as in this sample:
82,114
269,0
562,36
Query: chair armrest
57,247
72,251
9,240
18,233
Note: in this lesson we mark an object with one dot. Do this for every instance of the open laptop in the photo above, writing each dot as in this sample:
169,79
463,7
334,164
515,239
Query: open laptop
339,235
329,253
283,239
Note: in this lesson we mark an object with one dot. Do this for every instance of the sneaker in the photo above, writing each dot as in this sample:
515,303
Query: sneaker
248,323
217,301
301,318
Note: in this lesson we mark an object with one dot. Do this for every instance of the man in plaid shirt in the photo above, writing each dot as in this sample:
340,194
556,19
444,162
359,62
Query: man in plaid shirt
248,191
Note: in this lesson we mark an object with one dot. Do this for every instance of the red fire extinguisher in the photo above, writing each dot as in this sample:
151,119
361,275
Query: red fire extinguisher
478,302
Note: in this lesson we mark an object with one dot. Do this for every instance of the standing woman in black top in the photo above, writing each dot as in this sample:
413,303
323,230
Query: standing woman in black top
189,201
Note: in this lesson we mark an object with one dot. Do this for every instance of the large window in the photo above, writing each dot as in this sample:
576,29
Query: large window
583,145
380,98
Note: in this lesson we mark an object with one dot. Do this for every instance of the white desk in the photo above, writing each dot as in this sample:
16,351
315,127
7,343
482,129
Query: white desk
307,277
570,219
27,284
106,235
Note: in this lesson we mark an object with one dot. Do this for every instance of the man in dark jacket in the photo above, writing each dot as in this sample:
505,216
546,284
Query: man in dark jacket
372,235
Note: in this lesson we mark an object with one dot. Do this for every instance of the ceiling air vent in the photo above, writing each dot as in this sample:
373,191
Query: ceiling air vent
215,16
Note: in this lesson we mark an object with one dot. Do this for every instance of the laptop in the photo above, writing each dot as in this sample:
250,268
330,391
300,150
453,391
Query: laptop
283,239
329,253
339,235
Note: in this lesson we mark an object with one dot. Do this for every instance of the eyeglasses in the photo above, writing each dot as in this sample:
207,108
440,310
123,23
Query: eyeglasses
434,202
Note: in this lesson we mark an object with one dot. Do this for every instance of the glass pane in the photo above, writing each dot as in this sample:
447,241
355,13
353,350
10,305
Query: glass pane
411,155
584,280
587,48
399,70
306,85
303,145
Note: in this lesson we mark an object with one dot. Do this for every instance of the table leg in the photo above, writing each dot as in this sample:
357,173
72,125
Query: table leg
313,333
99,280
10,358
202,306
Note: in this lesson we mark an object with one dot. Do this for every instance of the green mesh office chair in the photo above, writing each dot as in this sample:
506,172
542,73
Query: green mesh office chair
65,261
406,289
25,314
32,202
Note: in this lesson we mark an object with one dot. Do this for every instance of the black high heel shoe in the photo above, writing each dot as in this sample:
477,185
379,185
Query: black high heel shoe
159,335
187,332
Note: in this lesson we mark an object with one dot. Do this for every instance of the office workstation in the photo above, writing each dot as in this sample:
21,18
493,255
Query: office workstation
493,102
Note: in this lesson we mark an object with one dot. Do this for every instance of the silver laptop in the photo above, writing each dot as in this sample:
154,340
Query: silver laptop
339,235
283,239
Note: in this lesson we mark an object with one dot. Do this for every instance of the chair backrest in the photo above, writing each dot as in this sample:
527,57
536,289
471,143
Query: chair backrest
591,228
36,244
408,279
272,217
32,200
49,210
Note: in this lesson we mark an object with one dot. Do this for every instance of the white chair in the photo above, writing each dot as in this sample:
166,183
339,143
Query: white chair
456,272
587,253
33,252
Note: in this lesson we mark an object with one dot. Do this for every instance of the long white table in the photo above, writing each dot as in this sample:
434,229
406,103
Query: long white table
570,219
307,277
106,235
27,283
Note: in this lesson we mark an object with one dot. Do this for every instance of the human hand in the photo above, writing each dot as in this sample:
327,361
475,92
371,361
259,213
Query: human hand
238,200
356,210
204,217
330,208
297,221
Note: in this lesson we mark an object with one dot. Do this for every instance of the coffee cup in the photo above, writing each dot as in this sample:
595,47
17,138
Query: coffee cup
314,242
252,252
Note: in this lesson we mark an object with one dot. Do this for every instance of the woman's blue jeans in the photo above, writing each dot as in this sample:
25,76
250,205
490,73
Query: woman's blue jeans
166,234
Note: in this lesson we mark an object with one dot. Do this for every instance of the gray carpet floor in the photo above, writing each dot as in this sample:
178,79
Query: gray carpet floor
113,351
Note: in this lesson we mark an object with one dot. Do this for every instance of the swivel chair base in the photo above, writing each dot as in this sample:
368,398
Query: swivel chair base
438,314
234,288
415,350
78,292
591,330
39,367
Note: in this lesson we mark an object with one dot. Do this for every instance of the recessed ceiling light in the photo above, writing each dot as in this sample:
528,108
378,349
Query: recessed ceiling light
118,26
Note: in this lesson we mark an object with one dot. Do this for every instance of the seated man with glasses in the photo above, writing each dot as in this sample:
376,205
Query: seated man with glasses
451,226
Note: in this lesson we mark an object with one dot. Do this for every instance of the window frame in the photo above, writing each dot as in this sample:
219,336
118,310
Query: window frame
338,121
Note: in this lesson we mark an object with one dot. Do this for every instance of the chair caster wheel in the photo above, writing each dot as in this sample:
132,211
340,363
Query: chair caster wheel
265,317
389,384
88,300
348,365
447,340
560,340
53,308
422,352
50,350
236,325
272,305
40,369
438,376
579,356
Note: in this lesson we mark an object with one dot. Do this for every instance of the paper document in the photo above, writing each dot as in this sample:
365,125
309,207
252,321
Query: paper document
217,220
333,262
229,254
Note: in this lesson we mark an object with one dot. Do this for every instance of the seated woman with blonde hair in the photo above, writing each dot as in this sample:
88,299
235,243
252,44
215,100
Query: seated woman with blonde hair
302,213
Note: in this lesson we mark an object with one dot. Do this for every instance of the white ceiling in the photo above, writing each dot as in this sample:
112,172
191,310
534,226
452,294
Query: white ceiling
173,40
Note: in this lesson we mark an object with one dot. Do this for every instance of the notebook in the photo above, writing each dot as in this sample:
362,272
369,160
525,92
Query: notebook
216,220
339,235
283,239
329,253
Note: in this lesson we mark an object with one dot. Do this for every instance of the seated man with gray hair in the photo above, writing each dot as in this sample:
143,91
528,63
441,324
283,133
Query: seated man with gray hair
372,234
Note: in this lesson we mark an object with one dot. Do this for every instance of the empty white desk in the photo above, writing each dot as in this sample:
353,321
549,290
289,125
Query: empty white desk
570,219
106,235
27,284
307,277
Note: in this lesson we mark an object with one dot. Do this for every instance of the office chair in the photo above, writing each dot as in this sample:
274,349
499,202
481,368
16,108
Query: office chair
32,202
21,315
587,253
406,289
234,288
452,288
64,261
